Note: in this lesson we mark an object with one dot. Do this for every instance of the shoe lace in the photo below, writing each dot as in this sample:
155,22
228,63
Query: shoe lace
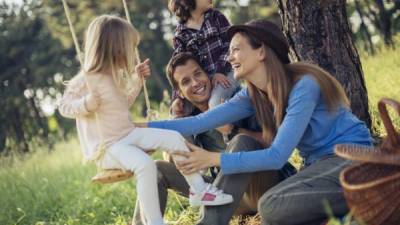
212,189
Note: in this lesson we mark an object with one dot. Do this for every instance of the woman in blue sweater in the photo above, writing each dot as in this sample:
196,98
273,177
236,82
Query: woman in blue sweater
298,105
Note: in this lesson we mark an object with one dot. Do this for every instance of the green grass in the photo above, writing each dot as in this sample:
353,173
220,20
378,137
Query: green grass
55,188
382,77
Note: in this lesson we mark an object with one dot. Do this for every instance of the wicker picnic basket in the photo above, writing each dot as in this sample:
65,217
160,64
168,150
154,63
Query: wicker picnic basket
372,184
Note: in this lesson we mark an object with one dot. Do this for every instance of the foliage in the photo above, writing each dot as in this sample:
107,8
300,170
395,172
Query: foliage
381,73
374,22
29,59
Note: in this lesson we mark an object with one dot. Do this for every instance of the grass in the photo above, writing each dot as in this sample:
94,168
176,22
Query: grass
382,77
55,188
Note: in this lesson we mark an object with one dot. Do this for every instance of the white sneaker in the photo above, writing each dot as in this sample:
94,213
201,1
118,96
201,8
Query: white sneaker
210,196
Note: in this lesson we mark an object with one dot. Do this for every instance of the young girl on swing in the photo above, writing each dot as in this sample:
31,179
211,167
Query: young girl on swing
108,85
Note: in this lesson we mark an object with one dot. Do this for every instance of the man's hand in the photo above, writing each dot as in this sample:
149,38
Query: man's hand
221,79
143,69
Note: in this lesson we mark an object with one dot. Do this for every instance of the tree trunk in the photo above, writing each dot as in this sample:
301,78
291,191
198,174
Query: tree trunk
318,32
19,132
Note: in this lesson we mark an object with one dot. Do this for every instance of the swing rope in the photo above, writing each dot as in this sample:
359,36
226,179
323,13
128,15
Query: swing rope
150,113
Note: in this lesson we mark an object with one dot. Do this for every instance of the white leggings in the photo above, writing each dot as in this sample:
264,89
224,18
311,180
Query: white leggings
129,153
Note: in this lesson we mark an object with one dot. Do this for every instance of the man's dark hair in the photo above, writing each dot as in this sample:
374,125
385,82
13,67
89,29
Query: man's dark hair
182,9
179,59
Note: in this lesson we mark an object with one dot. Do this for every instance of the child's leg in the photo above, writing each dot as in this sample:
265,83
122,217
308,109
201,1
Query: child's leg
129,157
219,93
150,138
166,140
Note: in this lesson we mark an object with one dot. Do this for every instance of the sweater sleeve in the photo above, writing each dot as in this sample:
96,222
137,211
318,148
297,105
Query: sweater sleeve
135,90
302,103
236,108
72,103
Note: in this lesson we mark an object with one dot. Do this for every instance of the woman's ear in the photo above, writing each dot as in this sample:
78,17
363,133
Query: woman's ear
261,53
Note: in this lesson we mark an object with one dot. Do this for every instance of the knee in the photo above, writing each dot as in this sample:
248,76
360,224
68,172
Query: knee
269,209
173,136
242,142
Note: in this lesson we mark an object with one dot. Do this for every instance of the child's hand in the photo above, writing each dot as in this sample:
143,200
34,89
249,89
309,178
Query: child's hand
226,129
92,101
143,69
176,108
221,79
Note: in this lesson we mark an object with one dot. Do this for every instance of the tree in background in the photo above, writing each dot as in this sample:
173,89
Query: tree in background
319,32
383,18
377,18
29,59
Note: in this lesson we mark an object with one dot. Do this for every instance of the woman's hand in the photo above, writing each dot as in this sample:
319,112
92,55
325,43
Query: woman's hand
197,159
143,69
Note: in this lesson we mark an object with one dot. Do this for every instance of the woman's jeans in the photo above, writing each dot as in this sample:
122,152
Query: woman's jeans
305,198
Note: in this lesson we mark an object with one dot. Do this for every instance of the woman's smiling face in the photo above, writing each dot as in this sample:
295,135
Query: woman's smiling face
243,58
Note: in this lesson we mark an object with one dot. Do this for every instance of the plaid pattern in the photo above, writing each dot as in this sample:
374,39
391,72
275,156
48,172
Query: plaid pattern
210,44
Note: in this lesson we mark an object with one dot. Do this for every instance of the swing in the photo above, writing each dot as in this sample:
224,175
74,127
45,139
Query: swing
105,176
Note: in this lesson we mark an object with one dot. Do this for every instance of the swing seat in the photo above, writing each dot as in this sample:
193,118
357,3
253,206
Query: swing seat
111,176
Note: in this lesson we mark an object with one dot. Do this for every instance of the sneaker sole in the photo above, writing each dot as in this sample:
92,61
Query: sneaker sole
200,203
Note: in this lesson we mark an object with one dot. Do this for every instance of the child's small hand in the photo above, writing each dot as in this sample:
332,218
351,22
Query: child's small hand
176,108
92,101
143,69
221,79
226,129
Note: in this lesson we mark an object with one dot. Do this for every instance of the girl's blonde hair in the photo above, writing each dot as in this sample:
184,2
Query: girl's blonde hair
111,45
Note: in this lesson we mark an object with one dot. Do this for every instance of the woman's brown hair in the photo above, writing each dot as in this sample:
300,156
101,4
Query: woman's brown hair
270,106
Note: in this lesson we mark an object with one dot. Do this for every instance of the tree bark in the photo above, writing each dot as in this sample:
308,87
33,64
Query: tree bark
318,32
19,132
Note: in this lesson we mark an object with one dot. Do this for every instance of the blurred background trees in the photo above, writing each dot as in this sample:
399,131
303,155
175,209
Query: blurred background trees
37,53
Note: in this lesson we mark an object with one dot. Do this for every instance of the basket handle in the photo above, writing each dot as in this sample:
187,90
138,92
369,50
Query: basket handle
393,136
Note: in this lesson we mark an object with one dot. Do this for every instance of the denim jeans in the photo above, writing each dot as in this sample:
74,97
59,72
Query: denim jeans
303,198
